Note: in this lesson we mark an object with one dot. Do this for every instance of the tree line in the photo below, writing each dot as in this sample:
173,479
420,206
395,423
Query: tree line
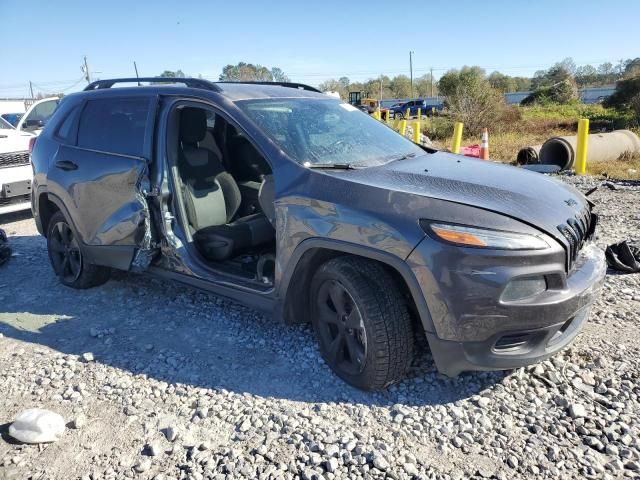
564,76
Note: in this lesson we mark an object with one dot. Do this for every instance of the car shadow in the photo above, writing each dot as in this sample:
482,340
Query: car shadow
176,334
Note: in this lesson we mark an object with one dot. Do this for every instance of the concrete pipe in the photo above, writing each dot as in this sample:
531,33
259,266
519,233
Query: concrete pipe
602,147
529,155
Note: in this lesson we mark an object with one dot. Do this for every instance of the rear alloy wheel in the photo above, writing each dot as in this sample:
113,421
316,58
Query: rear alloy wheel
362,322
66,257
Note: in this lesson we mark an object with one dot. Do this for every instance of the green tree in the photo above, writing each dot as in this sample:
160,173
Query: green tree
471,99
278,75
424,87
173,74
587,75
333,85
248,72
523,84
555,85
501,82
400,86
344,83
627,91
450,82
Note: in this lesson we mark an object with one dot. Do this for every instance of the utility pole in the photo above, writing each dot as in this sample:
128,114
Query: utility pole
431,74
85,69
411,70
31,88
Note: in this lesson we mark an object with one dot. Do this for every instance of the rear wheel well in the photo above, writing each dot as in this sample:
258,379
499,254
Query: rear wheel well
297,299
46,210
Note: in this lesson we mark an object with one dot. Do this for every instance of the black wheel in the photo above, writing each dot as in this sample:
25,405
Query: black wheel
66,257
399,115
362,322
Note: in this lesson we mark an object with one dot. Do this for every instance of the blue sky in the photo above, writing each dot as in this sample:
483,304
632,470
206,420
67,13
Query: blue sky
44,41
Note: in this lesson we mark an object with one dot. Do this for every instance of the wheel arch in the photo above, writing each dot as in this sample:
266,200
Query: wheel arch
292,294
46,208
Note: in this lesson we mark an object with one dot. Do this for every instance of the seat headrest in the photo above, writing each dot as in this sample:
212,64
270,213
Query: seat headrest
193,124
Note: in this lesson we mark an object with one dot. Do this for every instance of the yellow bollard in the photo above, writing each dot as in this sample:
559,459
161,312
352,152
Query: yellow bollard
403,127
419,113
457,137
408,114
581,148
433,110
388,119
416,131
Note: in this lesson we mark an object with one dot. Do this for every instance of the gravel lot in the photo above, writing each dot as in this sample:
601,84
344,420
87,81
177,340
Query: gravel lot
159,381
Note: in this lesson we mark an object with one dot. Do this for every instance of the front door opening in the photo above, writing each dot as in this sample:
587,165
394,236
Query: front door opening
226,188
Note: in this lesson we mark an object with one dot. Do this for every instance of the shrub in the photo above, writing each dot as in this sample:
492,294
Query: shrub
564,91
626,91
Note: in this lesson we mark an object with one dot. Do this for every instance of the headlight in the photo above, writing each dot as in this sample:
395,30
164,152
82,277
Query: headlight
483,238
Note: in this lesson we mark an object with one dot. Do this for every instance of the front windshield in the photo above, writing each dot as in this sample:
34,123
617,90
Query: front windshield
4,125
320,131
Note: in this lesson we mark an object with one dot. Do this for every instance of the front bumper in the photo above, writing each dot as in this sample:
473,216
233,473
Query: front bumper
472,329
15,188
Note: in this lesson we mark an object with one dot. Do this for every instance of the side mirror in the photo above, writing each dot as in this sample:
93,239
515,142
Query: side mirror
32,124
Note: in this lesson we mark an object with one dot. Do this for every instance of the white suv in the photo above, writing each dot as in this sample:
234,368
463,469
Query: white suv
15,145
15,171
37,115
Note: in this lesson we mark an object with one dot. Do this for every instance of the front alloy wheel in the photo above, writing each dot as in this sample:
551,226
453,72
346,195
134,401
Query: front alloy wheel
340,328
362,322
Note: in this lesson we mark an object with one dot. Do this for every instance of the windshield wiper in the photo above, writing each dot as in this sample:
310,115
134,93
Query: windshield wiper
337,166
402,157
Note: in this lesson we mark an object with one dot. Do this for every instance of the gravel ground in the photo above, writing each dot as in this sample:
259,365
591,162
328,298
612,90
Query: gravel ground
158,381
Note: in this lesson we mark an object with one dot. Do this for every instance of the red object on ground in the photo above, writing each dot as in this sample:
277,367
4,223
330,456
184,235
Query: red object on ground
471,151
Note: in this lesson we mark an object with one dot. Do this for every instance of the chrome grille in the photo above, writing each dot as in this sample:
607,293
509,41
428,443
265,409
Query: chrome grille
14,159
577,231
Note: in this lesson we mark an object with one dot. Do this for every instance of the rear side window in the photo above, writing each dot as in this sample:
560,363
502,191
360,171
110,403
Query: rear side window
114,125
65,130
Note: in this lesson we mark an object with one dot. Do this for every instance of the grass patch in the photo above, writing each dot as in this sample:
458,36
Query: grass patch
627,167
529,126
567,116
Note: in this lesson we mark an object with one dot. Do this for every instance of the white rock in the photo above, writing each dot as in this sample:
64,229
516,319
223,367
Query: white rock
80,421
577,410
37,425
88,357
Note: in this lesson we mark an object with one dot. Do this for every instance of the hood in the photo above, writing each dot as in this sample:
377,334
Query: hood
530,197
14,141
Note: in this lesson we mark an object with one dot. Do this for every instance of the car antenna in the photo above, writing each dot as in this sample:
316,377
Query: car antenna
136,69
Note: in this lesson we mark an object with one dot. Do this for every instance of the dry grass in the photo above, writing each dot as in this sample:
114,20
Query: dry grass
504,146
627,168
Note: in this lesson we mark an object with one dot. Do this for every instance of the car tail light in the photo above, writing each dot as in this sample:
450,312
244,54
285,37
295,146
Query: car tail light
32,143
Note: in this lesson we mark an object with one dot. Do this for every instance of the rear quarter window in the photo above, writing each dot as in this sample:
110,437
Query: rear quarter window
67,129
114,125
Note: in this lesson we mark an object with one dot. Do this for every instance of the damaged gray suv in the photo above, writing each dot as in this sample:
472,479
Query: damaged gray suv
296,203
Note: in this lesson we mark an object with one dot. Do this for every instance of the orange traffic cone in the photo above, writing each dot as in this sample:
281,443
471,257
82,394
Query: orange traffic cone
484,145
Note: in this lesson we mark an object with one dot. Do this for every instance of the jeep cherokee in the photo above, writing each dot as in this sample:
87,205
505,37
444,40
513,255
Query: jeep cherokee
296,203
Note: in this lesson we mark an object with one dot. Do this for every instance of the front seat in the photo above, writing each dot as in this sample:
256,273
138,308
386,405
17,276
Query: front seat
212,197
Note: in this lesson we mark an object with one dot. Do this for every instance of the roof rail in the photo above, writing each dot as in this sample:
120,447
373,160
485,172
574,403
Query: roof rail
300,86
189,82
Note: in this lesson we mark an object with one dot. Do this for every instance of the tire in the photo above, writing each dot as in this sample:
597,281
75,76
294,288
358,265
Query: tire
362,322
66,258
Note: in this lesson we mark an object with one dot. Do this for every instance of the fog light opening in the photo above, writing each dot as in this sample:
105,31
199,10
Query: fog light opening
522,288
